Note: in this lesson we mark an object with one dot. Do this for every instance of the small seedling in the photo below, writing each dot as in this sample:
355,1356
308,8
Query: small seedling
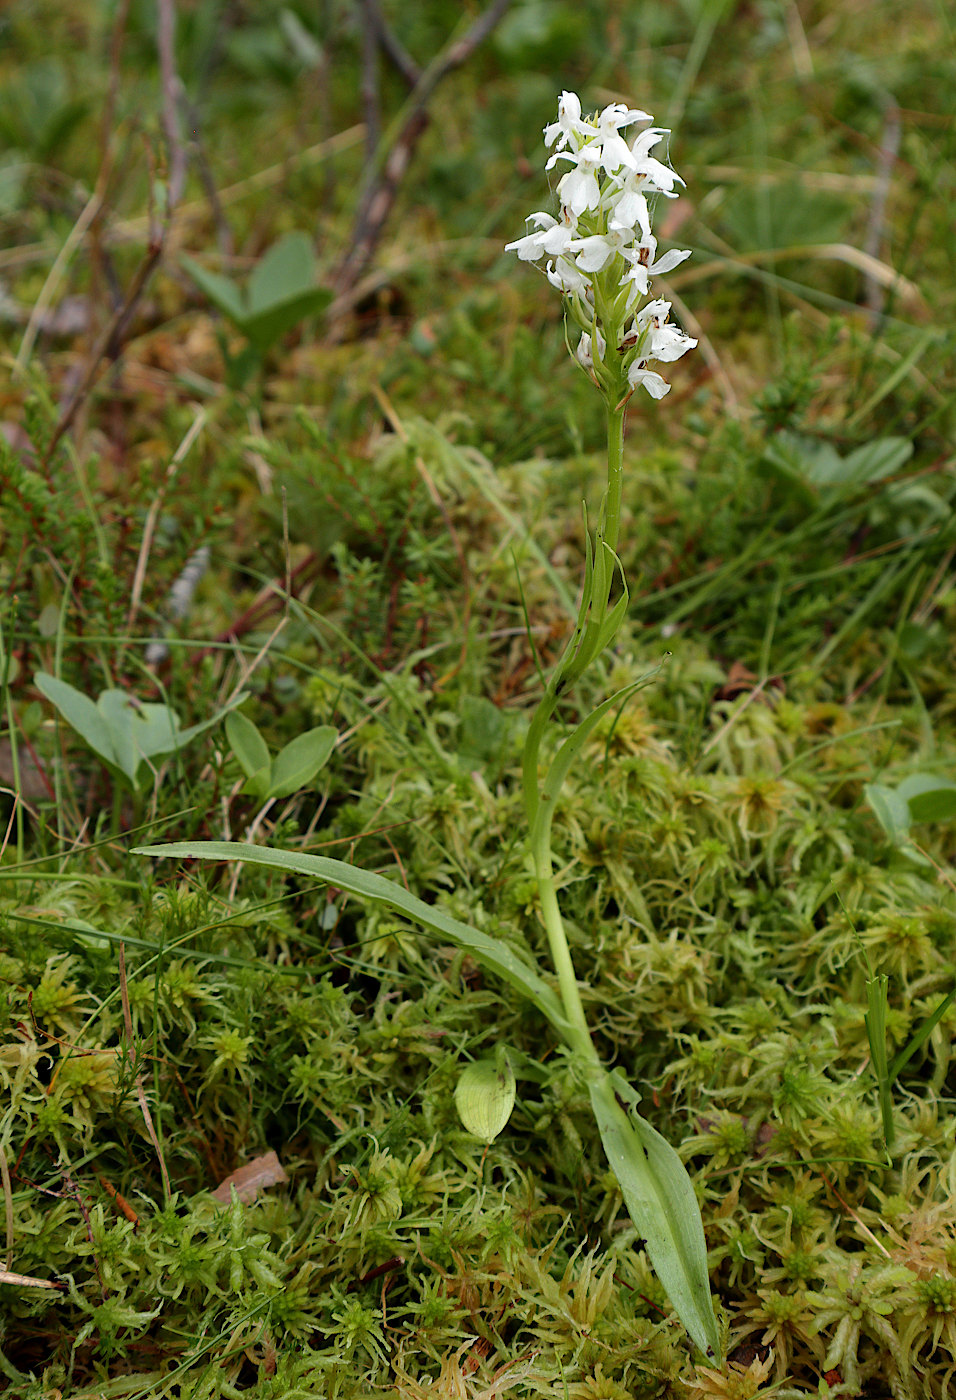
280,293
290,770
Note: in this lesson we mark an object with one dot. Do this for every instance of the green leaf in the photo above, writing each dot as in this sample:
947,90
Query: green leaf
284,271
891,811
265,328
247,744
485,1096
297,764
138,731
80,713
876,460
224,294
122,730
930,798
660,1199
490,952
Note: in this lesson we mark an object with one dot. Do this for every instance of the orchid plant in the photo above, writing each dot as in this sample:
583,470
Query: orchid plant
601,255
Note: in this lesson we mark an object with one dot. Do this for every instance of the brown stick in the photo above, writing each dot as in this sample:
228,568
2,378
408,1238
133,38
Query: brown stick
109,339
394,152
172,92
391,45
371,96
109,343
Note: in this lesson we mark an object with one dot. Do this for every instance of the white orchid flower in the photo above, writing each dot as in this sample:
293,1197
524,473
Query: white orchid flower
665,341
648,265
661,179
569,128
597,250
565,276
579,190
553,237
647,379
601,253
616,151
659,340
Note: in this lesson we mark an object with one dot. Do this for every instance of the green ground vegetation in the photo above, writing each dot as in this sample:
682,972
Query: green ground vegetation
381,512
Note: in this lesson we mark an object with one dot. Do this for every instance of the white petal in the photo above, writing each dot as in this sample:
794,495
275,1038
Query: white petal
528,248
653,383
592,253
639,276
670,260
663,178
653,311
579,190
668,344
647,140
630,210
556,239
565,276
616,153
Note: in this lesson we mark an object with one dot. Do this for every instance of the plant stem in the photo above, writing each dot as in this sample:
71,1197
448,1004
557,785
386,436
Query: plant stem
585,646
591,614
611,525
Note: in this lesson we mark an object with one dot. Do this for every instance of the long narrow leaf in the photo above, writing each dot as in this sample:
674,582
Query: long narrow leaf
490,952
661,1201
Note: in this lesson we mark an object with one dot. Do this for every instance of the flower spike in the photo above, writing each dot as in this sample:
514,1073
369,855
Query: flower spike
602,254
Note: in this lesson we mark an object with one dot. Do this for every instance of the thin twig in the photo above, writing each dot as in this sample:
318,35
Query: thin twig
103,283
109,338
392,46
152,515
172,93
55,276
224,236
394,151
886,159
8,1203
371,96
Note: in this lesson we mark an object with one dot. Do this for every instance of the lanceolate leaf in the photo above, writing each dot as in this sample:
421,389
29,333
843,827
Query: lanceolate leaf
661,1201
490,952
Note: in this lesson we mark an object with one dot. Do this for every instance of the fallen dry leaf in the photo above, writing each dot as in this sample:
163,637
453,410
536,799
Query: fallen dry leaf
250,1179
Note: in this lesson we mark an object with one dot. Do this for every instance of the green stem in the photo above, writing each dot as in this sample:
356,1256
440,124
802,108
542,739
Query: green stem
591,614
611,525
583,648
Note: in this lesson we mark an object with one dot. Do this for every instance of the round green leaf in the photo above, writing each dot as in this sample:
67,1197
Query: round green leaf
485,1097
